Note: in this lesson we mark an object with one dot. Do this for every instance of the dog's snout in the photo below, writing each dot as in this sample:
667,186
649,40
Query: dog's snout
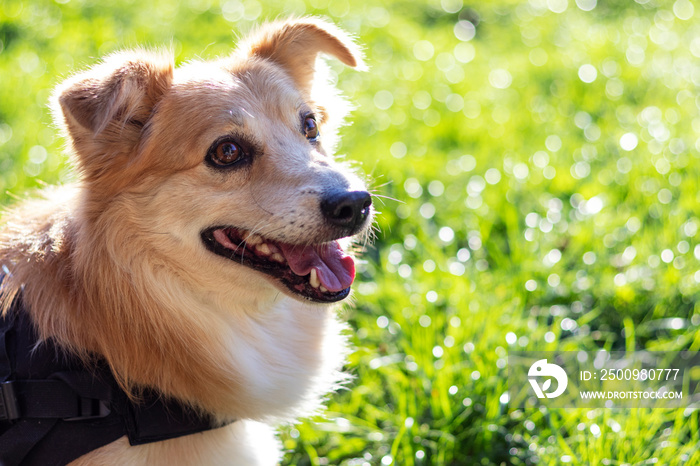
347,209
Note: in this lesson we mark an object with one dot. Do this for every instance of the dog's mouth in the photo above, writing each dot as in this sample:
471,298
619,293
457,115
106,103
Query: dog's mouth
319,272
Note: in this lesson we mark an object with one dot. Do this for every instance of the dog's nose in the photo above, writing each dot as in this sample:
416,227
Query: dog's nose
347,209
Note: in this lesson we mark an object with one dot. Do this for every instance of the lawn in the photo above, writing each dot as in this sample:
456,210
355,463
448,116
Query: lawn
537,166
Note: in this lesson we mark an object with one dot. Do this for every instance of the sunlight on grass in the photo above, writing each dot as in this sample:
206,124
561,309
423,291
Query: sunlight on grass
540,165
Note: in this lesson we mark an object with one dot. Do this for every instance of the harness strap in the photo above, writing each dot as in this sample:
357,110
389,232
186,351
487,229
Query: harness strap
5,366
22,438
53,409
24,435
47,399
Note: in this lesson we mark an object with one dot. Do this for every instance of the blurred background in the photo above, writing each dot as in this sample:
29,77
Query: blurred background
543,160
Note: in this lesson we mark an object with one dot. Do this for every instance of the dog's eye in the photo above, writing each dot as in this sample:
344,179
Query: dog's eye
310,127
226,153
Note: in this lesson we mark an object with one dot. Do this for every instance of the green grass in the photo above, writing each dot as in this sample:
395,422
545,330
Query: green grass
493,148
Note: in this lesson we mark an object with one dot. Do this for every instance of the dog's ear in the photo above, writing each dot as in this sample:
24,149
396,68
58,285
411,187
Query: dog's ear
295,45
105,108
126,86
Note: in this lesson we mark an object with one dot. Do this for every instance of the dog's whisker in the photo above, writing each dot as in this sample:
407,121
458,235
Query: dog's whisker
252,195
383,198
382,185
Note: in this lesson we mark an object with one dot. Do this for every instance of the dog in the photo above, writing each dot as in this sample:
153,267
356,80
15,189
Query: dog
183,290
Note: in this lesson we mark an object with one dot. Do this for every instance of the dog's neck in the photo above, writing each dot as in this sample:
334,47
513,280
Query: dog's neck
268,358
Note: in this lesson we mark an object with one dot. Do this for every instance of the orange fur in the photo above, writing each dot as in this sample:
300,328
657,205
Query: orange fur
113,267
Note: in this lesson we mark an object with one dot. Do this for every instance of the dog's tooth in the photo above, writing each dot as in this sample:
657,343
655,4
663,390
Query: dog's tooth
273,249
313,279
253,239
277,257
323,289
263,249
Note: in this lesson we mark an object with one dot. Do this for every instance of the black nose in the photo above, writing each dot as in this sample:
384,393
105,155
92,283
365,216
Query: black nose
347,209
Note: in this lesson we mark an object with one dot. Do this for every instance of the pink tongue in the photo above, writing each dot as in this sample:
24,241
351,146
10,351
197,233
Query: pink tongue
335,269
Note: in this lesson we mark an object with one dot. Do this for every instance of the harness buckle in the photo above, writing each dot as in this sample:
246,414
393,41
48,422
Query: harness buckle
9,407
91,409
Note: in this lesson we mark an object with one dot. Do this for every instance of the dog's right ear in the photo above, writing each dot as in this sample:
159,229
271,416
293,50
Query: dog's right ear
105,108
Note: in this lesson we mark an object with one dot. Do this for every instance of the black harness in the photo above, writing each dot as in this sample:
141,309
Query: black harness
54,409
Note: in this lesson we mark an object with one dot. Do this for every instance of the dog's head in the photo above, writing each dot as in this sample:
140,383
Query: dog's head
224,164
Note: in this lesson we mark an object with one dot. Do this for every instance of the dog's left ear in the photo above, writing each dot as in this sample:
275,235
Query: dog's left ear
295,44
